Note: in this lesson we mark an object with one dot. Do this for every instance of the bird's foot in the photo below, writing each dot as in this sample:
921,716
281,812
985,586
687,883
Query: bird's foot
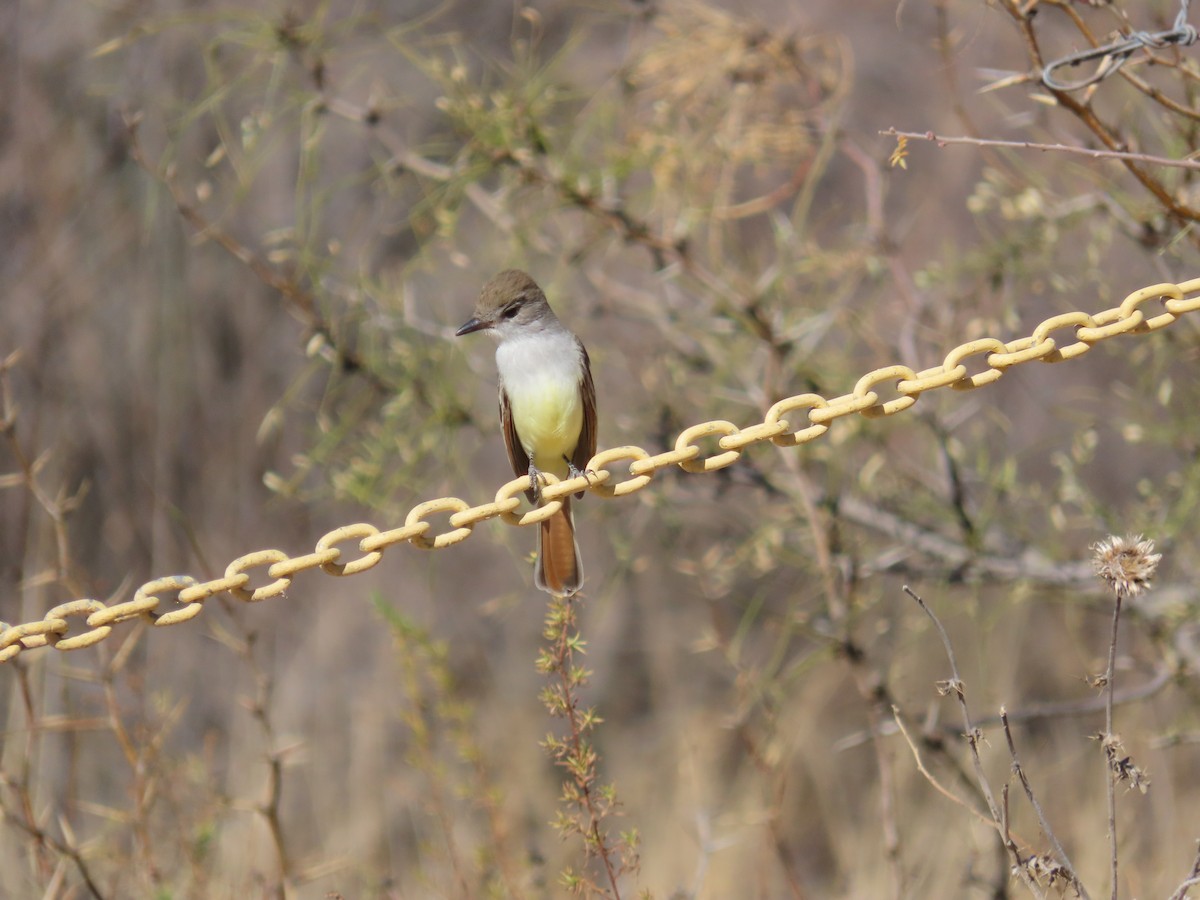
573,472
535,484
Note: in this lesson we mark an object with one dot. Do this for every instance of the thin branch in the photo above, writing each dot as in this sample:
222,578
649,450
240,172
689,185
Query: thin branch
1191,881
1063,859
956,687
1127,565
1108,742
303,306
1037,711
937,785
22,812
65,849
966,563
942,140
1082,110
973,735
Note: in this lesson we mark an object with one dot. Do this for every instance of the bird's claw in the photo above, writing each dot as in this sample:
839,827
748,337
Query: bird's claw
573,472
535,484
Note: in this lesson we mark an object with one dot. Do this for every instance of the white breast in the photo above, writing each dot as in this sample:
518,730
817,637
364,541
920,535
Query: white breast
542,373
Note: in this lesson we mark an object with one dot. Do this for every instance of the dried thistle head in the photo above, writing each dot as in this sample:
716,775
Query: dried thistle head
1045,869
1127,564
1123,769
1121,764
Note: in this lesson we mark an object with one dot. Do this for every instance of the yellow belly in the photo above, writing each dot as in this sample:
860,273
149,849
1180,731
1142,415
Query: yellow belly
548,416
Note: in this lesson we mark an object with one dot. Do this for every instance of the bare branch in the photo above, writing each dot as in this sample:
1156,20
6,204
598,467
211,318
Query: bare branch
942,140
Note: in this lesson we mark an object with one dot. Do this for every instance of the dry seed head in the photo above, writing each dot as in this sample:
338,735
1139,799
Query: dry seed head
1127,564
1121,764
1045,869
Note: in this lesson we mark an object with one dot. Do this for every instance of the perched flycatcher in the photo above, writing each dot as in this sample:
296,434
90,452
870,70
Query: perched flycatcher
547,408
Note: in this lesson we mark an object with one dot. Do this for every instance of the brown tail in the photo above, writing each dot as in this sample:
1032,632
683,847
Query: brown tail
559,570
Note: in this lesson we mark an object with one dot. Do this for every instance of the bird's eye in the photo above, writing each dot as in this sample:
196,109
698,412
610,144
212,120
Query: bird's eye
509,312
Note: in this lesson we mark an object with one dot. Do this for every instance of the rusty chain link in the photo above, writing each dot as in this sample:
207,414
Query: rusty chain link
997,357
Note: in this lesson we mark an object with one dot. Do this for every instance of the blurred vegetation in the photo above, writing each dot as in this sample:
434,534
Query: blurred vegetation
238,242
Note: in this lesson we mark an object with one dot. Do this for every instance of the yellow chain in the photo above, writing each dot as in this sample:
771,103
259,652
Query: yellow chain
998,357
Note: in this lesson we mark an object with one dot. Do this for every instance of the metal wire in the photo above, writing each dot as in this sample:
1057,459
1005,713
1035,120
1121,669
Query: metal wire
1113,56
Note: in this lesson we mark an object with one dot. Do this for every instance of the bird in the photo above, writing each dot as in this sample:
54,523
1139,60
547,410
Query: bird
547,409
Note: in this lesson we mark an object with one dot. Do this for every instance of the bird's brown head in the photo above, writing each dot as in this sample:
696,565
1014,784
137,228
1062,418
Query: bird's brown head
511,301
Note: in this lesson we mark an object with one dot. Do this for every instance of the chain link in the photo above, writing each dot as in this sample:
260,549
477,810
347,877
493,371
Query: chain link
603,476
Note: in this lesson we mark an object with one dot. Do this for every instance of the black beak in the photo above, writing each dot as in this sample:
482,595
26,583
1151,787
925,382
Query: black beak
471,325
